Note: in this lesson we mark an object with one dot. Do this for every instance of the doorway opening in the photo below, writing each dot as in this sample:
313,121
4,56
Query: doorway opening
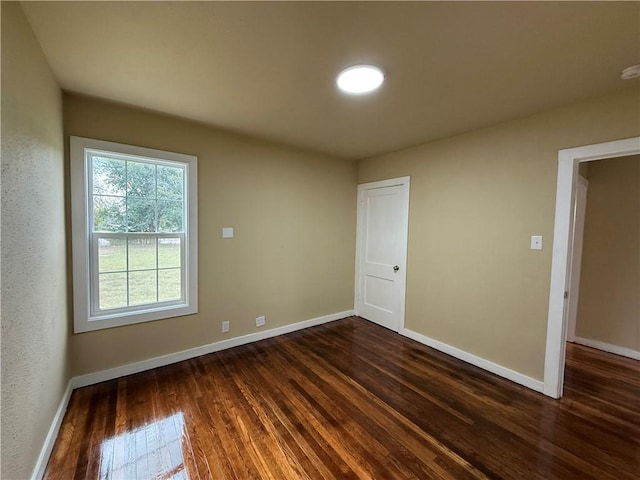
604,293
563,246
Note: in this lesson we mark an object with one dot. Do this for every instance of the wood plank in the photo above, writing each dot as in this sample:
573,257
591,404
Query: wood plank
350,399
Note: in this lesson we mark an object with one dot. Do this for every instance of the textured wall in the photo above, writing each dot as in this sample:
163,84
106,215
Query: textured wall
609,301
34,279
476,198
292,257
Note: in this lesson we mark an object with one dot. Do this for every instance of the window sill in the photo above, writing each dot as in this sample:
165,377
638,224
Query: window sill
129,318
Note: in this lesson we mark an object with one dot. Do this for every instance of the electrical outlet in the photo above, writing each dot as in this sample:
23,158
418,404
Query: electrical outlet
260,321
225,326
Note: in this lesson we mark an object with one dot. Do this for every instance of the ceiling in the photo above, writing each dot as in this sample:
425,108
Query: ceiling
268,69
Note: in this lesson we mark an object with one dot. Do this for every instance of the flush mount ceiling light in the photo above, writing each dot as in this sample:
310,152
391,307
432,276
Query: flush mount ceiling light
360,79
630,72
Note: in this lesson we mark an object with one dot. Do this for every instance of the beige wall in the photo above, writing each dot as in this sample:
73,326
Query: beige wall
609,301
476,198
34,302
292,257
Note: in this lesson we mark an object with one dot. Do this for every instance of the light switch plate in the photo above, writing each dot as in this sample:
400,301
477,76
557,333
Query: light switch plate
536,242
227,232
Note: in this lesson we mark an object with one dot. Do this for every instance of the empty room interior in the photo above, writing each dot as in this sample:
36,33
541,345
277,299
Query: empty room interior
320,240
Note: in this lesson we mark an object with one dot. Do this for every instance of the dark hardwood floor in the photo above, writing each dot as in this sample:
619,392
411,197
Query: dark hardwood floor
346,400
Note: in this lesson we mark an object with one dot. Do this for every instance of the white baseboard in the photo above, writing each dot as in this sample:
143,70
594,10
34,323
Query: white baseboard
52,435
608,347
499,370
137,367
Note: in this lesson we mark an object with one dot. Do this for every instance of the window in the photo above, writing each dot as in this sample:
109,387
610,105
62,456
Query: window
134,234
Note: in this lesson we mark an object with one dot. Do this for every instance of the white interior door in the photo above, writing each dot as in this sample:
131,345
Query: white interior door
381,251
576,260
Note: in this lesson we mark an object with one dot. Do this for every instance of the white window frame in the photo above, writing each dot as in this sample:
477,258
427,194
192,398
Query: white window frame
87,316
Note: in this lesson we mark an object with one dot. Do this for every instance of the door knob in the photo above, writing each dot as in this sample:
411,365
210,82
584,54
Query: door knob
396,268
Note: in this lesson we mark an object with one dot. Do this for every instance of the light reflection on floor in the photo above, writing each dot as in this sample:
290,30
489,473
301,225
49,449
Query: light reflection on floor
153,451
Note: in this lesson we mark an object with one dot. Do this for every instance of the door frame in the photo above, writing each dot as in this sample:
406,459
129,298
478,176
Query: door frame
403,182
568,160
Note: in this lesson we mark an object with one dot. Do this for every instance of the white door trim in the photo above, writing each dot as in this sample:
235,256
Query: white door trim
568,160
404,238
